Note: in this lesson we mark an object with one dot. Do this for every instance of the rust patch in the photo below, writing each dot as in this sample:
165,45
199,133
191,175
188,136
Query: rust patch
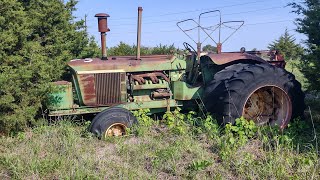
102,22
161,94
268,105
87,87
125,63
225,58
153,76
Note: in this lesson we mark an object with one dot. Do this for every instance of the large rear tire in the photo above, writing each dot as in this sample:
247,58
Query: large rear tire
260,92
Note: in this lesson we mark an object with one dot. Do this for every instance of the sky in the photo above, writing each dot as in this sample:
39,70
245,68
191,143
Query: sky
264,21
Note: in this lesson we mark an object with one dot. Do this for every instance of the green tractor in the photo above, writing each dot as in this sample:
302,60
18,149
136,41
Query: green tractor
225,84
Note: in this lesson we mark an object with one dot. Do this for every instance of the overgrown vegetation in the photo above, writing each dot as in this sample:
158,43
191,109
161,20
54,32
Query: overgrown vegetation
183,146
308,24
37,38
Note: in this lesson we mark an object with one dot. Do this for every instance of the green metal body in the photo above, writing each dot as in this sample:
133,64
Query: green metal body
172,66
158,83
62,98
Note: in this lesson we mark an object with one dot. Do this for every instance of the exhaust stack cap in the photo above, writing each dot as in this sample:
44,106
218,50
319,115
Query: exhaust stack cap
103,28
102,22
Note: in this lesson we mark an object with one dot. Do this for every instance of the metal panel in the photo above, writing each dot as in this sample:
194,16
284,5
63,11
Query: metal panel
62,98
125,64
87,88
225,58
108,88
182,91
153,105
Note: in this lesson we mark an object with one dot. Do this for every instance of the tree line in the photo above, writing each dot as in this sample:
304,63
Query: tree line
124,49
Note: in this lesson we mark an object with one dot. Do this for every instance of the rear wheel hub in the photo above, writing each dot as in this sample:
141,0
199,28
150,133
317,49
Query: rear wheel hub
268,105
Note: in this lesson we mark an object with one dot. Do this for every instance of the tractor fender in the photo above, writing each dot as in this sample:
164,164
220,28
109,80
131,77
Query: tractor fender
225,58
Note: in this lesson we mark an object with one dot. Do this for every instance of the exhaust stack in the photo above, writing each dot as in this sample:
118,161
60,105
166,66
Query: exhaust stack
139,32
103,28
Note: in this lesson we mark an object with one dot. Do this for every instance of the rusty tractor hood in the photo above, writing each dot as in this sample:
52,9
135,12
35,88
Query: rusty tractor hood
122,64
225,58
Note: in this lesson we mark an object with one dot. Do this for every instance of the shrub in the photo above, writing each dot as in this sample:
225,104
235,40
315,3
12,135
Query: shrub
37,38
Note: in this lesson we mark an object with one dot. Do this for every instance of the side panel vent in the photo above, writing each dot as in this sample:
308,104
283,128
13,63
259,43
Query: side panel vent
108,88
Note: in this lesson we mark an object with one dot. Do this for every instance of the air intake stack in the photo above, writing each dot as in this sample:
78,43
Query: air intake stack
139,32
103,28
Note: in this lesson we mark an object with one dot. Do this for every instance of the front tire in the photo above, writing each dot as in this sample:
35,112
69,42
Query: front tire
260,92
112,122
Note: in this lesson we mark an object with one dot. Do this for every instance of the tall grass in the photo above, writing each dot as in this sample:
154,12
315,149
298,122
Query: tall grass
181,146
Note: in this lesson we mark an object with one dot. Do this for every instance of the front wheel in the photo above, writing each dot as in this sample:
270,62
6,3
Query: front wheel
260,92
112,122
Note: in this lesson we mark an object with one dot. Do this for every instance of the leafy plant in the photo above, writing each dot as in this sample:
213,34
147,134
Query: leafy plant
241,131
210,126
199,165
144,120
176,121
236,135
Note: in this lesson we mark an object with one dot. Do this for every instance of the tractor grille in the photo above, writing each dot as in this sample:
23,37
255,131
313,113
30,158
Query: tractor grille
108,88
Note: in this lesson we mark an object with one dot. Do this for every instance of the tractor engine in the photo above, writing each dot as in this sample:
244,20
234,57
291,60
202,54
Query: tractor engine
121,79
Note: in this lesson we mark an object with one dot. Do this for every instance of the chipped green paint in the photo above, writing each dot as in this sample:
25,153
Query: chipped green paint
75,84
63,97
183,91
152,105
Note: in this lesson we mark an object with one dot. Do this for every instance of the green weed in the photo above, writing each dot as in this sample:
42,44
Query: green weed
176,121
145,123
199,165
181,146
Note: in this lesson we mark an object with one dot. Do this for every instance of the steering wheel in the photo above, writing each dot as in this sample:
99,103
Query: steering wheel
193,52
189,48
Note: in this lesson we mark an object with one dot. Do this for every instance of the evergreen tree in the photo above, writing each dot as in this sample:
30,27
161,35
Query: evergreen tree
309,24
37,38
287,46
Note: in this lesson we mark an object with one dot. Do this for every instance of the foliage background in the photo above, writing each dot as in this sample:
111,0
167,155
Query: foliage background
37,38
308,23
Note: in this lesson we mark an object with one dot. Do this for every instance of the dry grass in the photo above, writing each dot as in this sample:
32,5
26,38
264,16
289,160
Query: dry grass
67,151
